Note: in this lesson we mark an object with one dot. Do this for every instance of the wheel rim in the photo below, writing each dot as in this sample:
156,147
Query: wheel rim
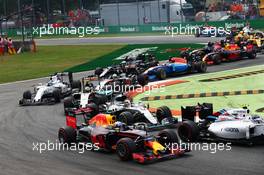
165,140
163,74
122,151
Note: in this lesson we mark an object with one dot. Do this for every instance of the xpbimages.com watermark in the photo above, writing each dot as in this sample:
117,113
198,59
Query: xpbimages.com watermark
194,30
209,147
79,31
43,147
125,88
49,146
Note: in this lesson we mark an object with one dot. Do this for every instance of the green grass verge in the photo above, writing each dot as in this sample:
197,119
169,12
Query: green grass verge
49,59
195,86
163,52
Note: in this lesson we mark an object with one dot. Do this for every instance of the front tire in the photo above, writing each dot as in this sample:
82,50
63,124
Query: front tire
67,135
125,148
167,137
252,55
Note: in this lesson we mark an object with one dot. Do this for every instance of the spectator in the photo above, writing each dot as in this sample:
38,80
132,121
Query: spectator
2,46
11,48
5,43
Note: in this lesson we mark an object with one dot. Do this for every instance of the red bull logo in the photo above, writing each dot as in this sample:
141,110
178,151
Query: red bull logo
102,120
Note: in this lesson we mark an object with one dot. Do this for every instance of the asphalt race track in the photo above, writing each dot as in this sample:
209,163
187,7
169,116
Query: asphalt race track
127,40
20,127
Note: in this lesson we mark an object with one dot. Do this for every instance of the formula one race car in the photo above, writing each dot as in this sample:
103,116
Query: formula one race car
257,38
119,106
216,53
129,67
51,92
230,125
173,67
128,142
105,91
131,113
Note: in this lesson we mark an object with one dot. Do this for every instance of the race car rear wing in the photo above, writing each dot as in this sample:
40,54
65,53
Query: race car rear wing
201,110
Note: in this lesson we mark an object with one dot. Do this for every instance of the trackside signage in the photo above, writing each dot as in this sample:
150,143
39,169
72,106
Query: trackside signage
148,28
128,29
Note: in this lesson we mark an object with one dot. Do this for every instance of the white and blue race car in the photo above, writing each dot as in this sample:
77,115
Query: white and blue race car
175,66
229,125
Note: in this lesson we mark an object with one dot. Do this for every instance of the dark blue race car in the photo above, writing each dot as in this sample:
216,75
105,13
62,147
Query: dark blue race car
174,67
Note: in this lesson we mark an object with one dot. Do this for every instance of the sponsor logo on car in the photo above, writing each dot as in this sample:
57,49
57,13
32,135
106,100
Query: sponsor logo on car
231,129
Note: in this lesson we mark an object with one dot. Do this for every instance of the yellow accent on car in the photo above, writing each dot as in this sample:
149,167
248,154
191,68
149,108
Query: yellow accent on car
156,146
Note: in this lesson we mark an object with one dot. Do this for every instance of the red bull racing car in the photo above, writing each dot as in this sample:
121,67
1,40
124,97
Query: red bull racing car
216,53
129,142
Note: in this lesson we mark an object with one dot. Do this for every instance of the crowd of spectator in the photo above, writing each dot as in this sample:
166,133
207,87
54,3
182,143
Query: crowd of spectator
6,46
244,9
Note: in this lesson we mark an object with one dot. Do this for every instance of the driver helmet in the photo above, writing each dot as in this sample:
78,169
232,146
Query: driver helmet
87,88
123,62
127,103
210,44
118,124
171,59
114,76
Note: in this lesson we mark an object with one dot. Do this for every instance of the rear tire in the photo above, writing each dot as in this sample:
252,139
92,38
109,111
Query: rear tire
69,103
27,95
127,118
184,54
125,147
98,71
216,59
161,74
142,80
163,112
94,107
188,131
201,67
57,95
100,99
76,84
67,135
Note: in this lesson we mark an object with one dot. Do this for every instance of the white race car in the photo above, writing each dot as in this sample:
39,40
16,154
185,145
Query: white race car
233,125
50,92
